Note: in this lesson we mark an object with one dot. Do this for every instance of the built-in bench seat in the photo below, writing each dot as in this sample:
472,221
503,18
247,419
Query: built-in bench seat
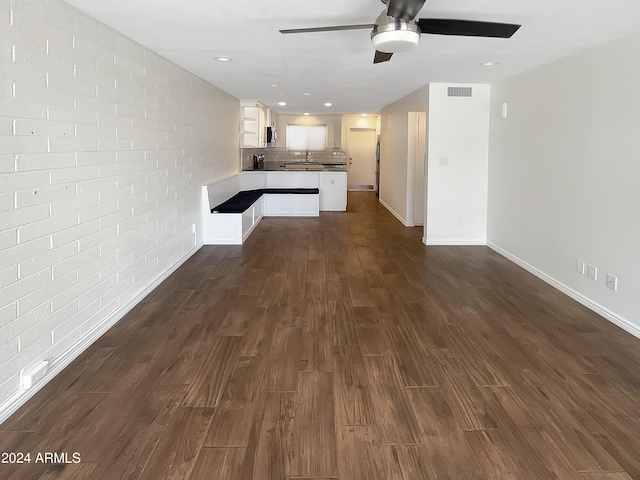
242,200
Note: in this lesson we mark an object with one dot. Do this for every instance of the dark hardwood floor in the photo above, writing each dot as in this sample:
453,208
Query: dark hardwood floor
341,347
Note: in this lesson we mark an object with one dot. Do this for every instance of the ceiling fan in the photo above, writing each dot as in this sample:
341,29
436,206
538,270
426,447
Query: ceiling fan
396,30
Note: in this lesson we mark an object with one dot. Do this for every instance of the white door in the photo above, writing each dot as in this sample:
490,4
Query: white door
419,170
362,158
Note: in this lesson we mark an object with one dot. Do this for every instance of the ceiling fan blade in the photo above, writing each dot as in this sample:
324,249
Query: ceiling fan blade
335,28
380,57
407,9
470,28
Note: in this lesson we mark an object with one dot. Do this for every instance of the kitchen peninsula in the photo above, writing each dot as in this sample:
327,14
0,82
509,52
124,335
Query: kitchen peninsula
233,207
326,170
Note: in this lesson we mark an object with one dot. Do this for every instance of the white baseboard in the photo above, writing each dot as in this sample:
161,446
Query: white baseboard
454,242
395,214
9,407
578,297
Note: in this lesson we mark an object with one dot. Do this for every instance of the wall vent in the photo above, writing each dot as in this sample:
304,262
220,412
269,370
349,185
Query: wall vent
459,92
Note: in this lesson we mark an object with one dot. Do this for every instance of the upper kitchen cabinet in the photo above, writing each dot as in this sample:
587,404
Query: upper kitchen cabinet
253,123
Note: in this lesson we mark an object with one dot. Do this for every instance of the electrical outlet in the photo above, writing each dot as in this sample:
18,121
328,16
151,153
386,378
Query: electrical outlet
592,272
612,282
580,266
29,378
444,161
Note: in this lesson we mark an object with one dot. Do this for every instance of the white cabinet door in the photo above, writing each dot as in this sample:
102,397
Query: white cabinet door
304,205
333,191
275,205
290,205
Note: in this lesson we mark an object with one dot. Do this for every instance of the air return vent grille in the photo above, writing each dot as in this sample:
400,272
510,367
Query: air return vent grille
459,92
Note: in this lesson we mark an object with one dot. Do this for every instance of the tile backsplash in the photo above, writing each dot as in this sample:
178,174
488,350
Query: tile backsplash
282,155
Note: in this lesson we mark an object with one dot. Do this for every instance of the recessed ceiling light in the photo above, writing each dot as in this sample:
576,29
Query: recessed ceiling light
364,114
328,104
306,93
490,64
282,104
306,113
224,59
274,85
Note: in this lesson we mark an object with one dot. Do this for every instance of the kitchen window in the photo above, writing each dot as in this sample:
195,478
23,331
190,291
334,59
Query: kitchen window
306,137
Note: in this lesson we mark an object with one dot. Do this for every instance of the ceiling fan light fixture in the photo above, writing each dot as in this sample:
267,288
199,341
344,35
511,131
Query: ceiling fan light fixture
393,35
395,41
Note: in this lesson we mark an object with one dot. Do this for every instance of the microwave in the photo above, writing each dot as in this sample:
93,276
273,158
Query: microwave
272,135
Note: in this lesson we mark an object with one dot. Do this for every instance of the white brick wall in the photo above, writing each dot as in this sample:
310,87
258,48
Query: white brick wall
103,147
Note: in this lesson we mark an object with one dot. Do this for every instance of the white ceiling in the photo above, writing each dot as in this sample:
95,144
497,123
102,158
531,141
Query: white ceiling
337,66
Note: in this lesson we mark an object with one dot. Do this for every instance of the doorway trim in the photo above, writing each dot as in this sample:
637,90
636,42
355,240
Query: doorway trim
366,187
412,154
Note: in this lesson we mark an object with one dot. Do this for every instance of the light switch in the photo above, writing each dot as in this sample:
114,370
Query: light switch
592,272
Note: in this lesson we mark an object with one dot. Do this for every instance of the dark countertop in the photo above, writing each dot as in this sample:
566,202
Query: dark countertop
300,167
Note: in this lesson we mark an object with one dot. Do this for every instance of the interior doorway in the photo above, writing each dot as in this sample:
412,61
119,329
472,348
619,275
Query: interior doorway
361,150
419,169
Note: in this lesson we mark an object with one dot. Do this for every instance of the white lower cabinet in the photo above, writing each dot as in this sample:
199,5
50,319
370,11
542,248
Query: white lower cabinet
333,191
290,205
275,205
332,186
305,205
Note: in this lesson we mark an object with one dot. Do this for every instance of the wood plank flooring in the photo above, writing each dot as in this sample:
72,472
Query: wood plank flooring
341,347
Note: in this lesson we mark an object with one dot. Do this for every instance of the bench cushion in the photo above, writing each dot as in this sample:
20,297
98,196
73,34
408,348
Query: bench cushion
241,201
296,191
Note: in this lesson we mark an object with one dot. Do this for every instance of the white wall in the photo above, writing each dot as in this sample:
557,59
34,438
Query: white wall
337,126
331,121
458,130
103,145
394,134
357,121
563,175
